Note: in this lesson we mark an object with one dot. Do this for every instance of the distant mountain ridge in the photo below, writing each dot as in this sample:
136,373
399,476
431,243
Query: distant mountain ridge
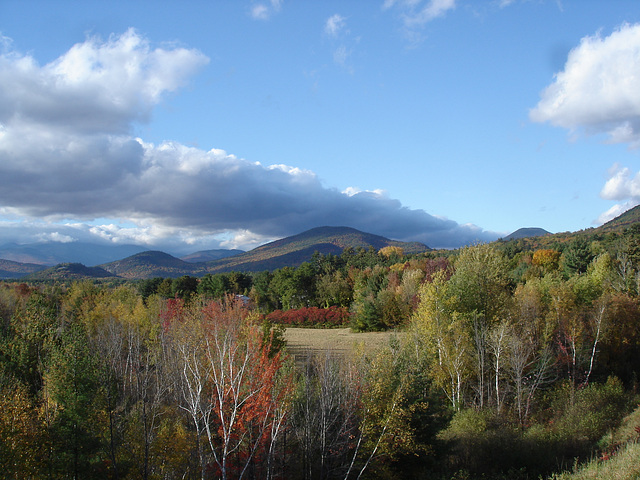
290,251
151,264
11,269
70,271
54,253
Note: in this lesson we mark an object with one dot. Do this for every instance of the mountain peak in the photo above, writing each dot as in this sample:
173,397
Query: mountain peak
527,232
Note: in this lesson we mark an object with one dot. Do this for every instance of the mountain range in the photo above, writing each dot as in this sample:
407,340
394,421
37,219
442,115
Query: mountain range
289,251
67,261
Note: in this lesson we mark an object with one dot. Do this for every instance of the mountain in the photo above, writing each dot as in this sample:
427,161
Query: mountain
69,271
629,217
527,232
53,253
290,251
153,264
210,255
11,269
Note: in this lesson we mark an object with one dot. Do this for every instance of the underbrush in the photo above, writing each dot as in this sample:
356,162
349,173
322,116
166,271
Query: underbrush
483,444
619,458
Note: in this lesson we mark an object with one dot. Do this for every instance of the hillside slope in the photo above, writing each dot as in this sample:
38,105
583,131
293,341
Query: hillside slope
69,271
626,219
11,269
526,233
153,264
293,250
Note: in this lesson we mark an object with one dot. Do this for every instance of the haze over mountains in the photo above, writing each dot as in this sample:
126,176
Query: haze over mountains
81,260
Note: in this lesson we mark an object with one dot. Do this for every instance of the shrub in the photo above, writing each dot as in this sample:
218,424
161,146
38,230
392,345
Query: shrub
310,317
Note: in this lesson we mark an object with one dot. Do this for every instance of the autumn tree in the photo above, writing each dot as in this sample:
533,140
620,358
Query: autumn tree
446,336
232,388
22,435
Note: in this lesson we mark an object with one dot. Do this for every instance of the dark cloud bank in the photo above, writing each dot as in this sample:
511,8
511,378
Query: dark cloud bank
66,153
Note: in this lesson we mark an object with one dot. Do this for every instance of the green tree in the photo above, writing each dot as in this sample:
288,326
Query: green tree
74,399
577,256
184,287
214,285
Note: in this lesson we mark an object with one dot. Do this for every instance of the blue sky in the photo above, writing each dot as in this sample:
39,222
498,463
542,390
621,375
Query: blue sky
219,124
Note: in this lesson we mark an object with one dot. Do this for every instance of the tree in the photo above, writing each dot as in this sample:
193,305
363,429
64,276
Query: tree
232,387
334,289
21,433
547,259
577,256
480,282
184,287
325,415
72,393
446,336
214,286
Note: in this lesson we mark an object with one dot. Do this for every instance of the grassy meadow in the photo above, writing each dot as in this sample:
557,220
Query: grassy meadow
340,341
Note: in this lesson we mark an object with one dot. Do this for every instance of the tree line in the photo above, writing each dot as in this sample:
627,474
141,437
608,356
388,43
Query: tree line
509,362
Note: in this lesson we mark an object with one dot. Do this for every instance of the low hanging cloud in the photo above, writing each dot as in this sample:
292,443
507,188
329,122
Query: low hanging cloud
598,93
66,153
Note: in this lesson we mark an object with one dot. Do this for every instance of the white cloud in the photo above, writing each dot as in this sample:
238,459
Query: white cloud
335,28
96,87
622,186
55,237
334,25
351,191
614,212
599,89
417,13
264,11
244,240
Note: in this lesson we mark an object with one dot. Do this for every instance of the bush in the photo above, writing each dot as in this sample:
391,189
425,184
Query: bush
310,317
593,411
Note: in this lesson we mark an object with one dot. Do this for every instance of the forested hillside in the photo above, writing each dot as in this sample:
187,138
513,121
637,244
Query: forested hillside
517,359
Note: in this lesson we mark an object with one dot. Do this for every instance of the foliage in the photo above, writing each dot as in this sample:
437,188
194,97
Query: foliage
506,365
310,317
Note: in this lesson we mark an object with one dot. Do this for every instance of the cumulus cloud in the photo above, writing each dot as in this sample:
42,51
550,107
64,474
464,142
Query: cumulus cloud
599,89
96,87
65,153
622,186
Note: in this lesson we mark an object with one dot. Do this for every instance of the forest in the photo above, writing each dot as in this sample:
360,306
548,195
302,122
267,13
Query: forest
510,360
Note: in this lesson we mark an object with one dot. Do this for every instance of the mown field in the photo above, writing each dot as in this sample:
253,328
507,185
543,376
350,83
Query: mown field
340,341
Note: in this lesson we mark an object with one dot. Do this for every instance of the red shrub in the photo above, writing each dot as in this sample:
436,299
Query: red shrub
311,317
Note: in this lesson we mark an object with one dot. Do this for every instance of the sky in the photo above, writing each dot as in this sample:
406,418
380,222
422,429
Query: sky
187,126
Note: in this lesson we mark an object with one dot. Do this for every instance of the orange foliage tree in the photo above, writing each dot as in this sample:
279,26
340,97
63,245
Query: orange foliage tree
234,388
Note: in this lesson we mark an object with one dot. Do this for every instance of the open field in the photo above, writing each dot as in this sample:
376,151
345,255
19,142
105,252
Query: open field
341,341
